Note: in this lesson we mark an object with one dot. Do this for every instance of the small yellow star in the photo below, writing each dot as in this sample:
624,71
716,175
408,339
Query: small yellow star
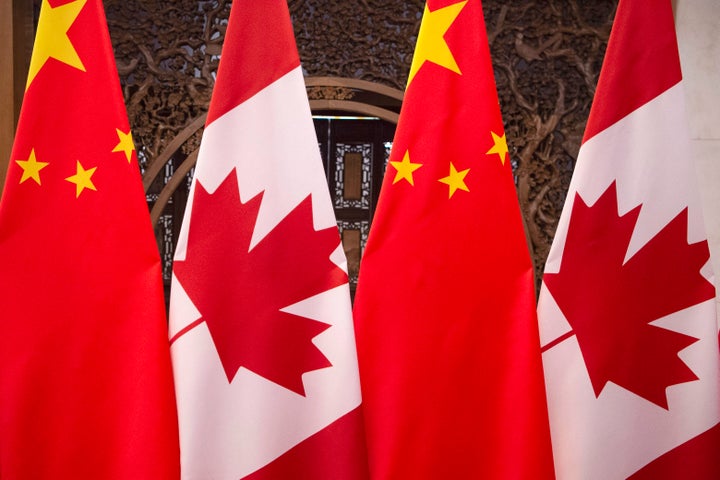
431,45
500,147
82,179
405,169
125,145
51,39
31,168
456,180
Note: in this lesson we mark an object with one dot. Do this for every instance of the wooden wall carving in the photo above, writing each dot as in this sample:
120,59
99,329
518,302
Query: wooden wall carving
546,54
370,40
167,54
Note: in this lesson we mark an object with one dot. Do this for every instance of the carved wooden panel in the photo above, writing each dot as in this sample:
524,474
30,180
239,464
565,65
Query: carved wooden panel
547,56
167,55
546,53
366,39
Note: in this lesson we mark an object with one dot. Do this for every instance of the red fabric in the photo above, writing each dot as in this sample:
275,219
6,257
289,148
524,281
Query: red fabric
696,458
268,52
85,379
627,308
325,455
445,308
264,356
631,77
610,302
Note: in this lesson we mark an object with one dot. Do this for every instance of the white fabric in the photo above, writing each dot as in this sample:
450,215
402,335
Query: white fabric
648,154
230,430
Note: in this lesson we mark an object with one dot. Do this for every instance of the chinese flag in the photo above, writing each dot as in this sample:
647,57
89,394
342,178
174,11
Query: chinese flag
445,308
627,308
261,329
85,375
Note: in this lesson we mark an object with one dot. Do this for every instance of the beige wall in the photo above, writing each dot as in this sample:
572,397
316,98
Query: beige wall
697,22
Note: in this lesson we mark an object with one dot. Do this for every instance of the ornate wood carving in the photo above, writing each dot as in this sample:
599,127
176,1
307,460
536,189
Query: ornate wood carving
547,56
167,54
370,40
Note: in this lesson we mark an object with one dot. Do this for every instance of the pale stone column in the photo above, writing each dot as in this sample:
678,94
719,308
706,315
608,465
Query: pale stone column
699,41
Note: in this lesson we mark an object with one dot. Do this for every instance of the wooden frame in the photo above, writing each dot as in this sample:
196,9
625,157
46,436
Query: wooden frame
346,105
16,37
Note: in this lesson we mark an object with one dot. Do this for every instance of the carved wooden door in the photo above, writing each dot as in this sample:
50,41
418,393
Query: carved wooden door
355,151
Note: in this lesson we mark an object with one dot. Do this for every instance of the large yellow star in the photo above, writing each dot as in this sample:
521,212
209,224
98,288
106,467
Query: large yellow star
51,40
125,145
82,179
500,147
456,180
405,169
31,167
431,45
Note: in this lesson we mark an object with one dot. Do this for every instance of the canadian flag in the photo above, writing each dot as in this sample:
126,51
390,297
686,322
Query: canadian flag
261,329
627,309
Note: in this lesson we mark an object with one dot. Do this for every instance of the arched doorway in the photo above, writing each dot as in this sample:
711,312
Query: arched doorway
355,123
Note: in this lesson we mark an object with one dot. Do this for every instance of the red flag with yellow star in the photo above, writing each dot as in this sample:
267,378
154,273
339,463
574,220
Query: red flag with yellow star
450,370
85,377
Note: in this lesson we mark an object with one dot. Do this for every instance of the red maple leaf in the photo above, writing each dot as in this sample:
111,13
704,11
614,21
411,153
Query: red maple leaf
240,292
609,302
